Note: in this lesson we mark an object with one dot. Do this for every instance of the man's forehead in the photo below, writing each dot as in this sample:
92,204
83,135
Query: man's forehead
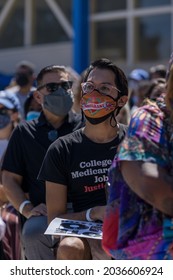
55,76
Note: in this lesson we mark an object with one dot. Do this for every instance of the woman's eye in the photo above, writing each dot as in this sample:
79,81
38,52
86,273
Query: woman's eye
89,87
104,89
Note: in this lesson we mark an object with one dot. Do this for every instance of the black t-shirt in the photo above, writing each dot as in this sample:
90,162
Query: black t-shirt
27,148
81,164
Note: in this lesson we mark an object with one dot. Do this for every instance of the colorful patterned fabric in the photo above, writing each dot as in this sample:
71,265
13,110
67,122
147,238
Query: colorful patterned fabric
132,228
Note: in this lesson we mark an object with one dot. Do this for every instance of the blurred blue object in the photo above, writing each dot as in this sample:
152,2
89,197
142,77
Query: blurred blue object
32,115
139,74
5,80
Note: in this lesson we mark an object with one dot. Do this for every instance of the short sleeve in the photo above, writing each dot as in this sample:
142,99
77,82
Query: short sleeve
53,168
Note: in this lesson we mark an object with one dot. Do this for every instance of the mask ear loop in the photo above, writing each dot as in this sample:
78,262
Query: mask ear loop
114,113
113,119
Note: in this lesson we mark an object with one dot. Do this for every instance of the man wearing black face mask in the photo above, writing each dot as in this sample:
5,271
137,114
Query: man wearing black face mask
26,150
24,79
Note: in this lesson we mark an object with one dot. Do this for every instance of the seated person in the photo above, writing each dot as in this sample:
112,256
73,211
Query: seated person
76,165
9,118
25,152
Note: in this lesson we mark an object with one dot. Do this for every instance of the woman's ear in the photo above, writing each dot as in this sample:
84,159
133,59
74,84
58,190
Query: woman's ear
122,100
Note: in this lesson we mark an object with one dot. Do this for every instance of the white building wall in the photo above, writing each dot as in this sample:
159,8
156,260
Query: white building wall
40,55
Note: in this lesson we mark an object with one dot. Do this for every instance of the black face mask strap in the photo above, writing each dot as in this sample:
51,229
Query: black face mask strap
118,110
113,121
115,112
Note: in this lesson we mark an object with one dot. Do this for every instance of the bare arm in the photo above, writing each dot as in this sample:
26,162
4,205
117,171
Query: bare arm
56,201
151,182
12,187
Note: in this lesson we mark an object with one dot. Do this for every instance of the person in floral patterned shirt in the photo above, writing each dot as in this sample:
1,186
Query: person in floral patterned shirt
139,212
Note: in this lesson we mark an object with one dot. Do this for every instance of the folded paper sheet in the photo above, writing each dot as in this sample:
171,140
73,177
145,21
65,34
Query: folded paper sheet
66,227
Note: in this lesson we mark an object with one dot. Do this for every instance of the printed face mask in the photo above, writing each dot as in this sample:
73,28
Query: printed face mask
58,102
97,108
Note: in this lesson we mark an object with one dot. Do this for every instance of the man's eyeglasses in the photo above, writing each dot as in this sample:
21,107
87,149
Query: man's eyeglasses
104,89
50,87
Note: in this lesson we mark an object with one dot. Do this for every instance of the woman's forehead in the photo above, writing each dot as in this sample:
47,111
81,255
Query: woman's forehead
102,75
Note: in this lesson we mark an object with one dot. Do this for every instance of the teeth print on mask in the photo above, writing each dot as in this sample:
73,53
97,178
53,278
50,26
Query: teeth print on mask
59,102
4,120
97,108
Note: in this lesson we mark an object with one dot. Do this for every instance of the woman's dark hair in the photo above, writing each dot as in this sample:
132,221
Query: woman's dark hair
169,92
120,78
